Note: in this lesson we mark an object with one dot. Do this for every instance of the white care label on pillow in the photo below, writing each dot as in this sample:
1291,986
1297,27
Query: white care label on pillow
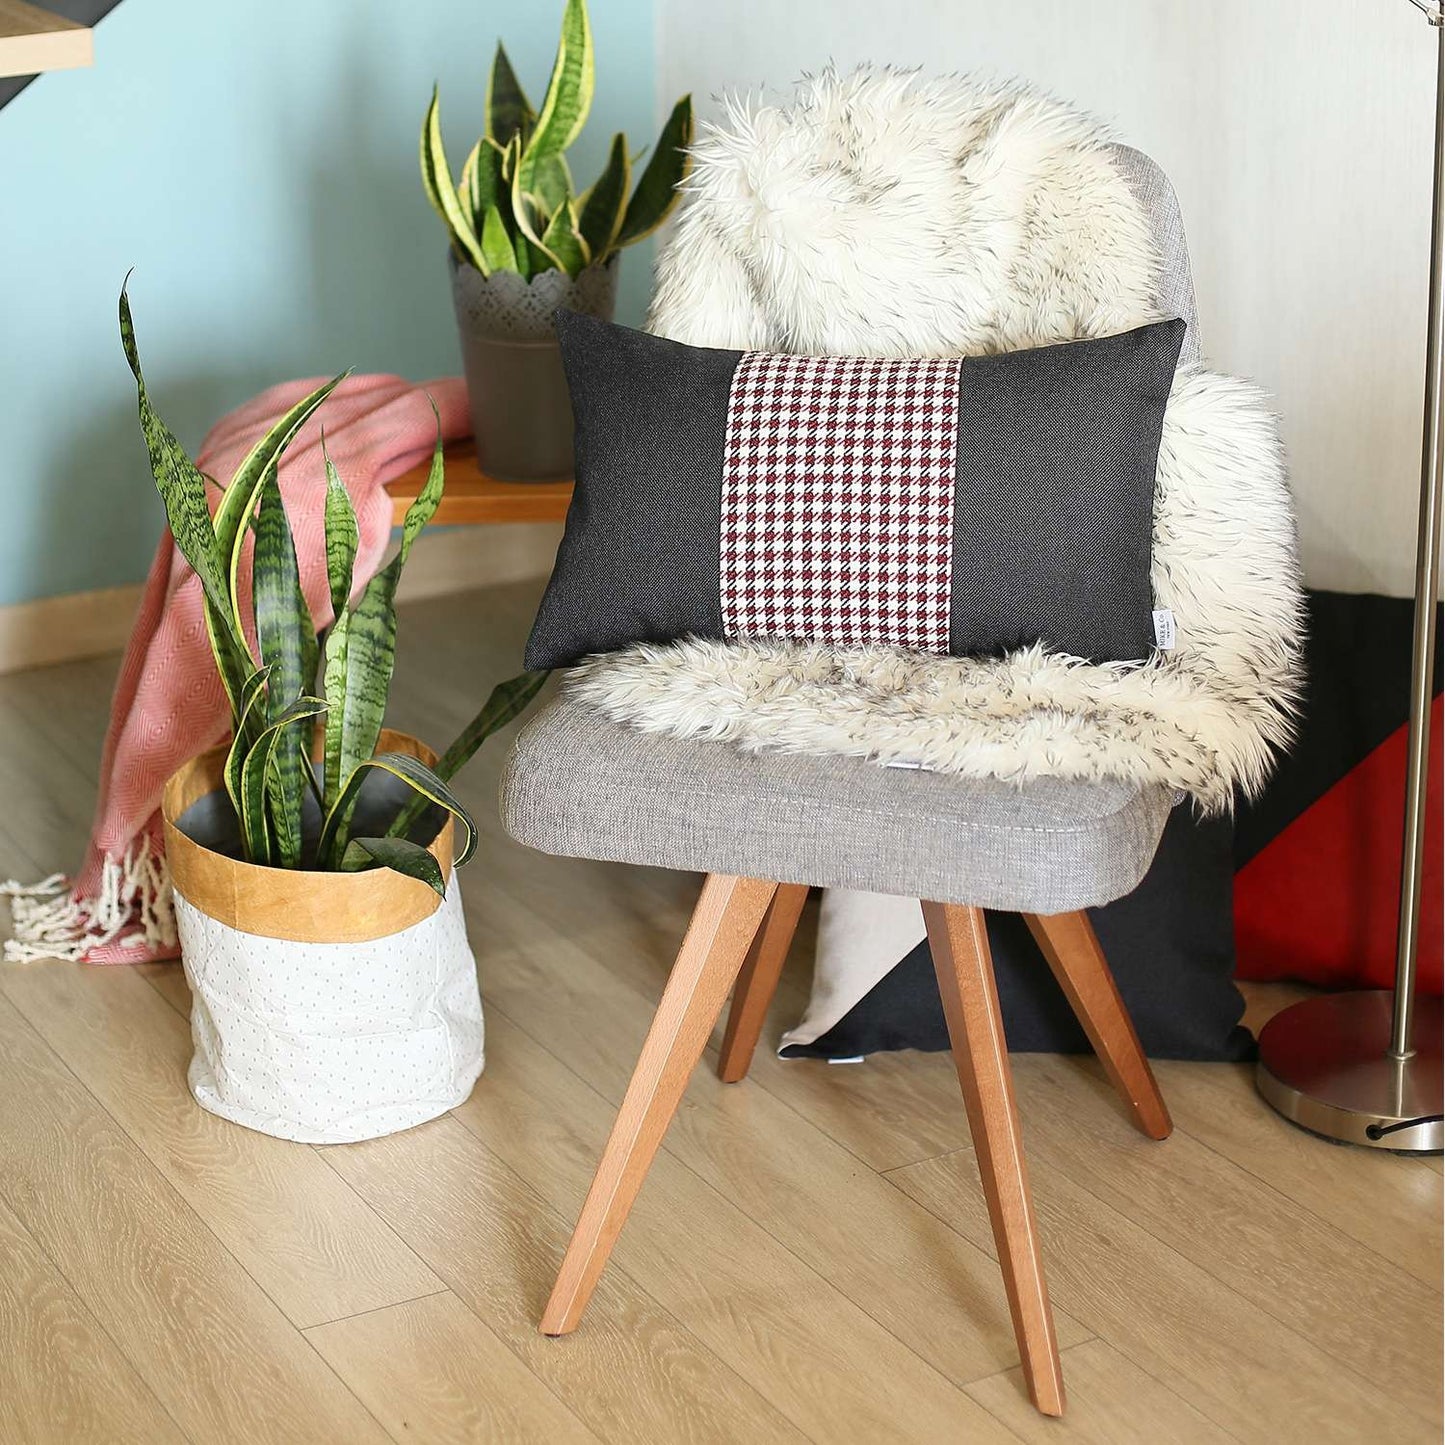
1163,629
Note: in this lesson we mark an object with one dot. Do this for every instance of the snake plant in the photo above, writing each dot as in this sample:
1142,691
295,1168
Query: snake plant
279,676
513,208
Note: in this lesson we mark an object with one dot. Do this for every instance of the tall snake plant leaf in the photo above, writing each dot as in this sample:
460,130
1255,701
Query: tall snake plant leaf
496,243
511,155
528,256
181,485
233,660
342,536
341,544
399,854
600,218
569,94
508,111
427,500
529,240
532,260
369,650
428,175
552,184
562,240
251,705
358,678
333,688
464,186
183,491
238,505
416,775
657,190
257,769
287,639
483,182
507,701
437,179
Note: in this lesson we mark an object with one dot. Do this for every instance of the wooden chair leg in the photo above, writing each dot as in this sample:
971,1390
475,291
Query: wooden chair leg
724,924
1072,949
961,959
758,982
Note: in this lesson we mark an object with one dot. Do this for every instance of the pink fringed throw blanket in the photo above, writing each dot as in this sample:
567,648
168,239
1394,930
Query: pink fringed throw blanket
169,704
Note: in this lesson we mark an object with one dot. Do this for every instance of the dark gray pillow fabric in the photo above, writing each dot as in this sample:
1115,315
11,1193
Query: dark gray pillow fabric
968,506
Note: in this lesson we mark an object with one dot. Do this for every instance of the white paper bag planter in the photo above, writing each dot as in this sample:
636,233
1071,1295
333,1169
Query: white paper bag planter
364,1018
332,1042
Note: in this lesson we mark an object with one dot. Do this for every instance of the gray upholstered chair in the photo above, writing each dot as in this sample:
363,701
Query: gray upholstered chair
765,827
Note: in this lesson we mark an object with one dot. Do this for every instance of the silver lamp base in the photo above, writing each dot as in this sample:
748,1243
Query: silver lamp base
1325,1065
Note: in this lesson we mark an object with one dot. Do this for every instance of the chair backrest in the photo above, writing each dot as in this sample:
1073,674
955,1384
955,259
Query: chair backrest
1156,196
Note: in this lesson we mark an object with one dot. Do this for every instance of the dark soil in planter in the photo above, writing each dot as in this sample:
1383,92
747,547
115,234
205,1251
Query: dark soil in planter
211,821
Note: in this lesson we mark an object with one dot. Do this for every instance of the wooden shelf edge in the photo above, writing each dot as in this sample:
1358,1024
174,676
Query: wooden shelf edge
472,497
34,41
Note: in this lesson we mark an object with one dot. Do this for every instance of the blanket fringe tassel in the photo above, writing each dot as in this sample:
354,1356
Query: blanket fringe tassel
131,910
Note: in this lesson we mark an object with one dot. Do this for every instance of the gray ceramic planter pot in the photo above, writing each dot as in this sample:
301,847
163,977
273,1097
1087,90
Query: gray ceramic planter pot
521,414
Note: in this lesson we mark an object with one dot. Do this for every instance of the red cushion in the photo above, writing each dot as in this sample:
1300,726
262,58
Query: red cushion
1319,903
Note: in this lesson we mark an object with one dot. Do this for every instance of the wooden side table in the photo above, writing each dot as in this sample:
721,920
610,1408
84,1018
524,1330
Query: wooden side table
472,496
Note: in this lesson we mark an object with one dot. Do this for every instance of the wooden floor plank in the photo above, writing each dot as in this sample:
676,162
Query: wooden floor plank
634,1374
1111,1402
202,1334
1242,1368
62,1379
314,1247
431,1370
820,1359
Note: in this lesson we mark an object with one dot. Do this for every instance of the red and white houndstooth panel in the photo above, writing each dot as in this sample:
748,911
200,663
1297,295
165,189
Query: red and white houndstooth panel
837,499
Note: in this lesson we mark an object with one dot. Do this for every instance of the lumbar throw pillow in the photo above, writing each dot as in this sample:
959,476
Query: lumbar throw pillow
965,506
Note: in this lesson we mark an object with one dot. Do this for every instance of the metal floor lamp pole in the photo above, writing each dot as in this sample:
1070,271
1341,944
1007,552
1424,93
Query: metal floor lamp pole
1364,1067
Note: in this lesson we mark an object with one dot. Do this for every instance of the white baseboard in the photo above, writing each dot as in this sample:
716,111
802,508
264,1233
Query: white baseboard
89,624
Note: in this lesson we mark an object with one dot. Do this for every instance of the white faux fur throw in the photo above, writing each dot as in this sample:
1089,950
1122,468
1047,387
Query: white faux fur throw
885,214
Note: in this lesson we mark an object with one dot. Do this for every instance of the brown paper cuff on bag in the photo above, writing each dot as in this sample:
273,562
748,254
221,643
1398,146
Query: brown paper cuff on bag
290,903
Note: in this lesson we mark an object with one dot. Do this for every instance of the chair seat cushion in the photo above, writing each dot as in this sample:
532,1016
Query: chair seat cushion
581,785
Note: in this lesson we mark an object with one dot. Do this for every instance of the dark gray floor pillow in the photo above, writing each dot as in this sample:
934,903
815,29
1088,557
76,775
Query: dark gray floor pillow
1170,944
951,506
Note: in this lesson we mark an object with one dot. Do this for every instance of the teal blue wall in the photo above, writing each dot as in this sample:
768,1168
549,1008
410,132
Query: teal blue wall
256,163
